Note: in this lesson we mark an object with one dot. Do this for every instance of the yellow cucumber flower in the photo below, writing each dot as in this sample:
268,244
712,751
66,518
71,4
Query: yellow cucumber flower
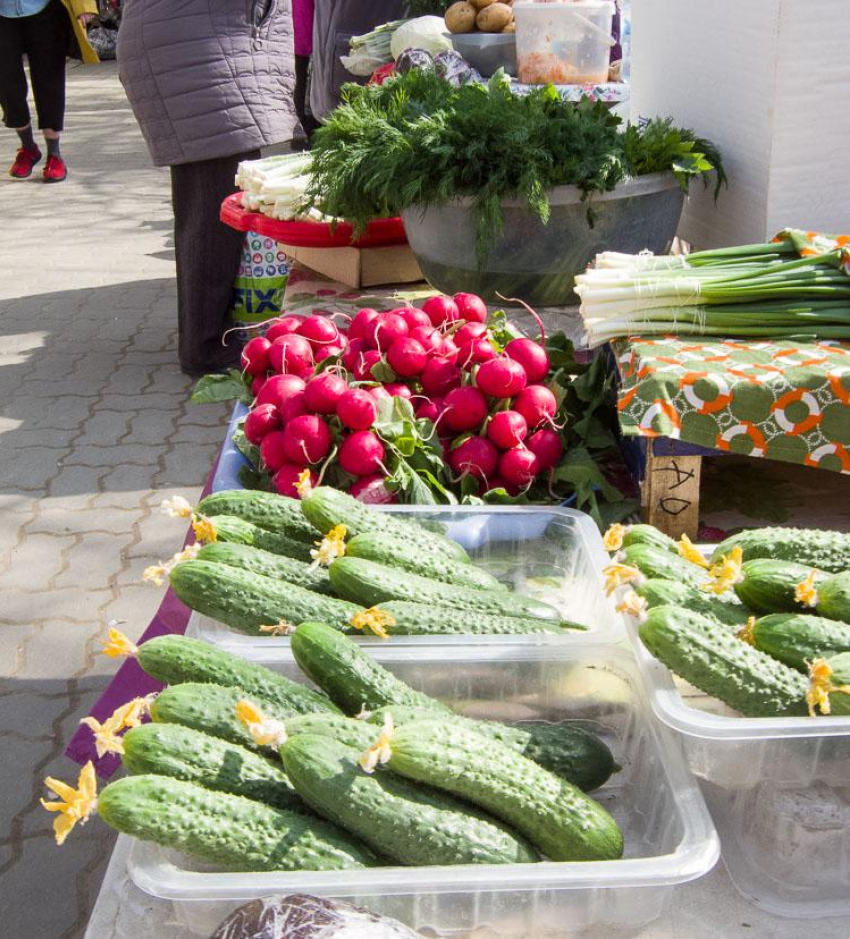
612,540
331,547
280,628
304,487
617,575
204,529
820,688
133,712
375,620
805,592
380,751
177,507
726,572
688,550
76,805
106,739
156,573
746,634
266,731
635,605
117,644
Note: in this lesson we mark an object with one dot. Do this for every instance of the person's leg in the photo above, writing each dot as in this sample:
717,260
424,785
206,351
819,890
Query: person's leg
308,122
208,254
13,95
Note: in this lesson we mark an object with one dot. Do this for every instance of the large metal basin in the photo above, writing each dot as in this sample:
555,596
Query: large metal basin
536,262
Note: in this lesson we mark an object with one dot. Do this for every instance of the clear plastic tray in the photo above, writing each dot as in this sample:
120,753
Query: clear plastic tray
668,832
553,553
778,790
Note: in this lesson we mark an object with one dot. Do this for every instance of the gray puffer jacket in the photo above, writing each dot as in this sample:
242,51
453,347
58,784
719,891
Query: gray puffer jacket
208,78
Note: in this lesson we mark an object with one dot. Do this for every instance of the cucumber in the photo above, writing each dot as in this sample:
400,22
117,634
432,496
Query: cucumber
396,552
555,816
184,753
661,592
825,550
238,531
834,597
564,749
275,566
369,584
797,639
236,833
345,730
397,818
352,679
325,507
266,509
714,660
212,710
174,660
834,685
767,586
422,619
649,534
245,601
652,561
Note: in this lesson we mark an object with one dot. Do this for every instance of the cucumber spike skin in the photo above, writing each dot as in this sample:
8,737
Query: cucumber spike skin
230,528
268,564
663,592
826,550
267,510
423,619
653,561
797,639
768,586
834,597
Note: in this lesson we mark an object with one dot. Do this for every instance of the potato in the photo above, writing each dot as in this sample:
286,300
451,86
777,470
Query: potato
460,17
510,28
494,18
480,4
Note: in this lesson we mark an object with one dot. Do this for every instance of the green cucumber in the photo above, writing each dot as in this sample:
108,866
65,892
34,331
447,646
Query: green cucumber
422,619
797,639
174,660
238,531
825,550
245,601
184,753
768,586
564,749
649,534
555,816
345,730
266,509
713,659
275,566
370,584
837,703
660,592
325,508
396,552
652,561
236,833
397,818
352,679
834,597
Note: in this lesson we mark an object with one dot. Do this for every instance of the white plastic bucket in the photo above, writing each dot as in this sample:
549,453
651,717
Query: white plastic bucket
565,43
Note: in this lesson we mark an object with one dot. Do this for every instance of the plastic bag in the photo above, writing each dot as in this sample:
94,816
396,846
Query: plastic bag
300,916
260,282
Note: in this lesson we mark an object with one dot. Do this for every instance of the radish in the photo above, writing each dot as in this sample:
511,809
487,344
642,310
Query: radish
306,439
286,479
371,489
478,351
470,307
507,429
547,446
448,349
257,383
363,367
319,330
356,409
498,483
381,332
361,453
413,316
261,421
255,356
531,356
428,337
465,408
278,389
358,324
325,352
407,357
439,377
271,451
441,310
283,326
396,389
351,354
378,392
501,377
468,332
294,407
476,456
430,409
323,392
291,353
537,405
518,467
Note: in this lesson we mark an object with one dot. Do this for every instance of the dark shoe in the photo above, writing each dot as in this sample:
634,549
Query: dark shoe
55,170
25,160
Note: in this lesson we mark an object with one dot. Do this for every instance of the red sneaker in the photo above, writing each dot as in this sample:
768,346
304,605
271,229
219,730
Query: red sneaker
25,160
54,170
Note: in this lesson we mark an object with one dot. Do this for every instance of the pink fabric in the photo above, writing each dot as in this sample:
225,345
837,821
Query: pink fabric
302,18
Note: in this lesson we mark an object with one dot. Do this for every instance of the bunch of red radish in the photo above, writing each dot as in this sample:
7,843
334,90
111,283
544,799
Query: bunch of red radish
492,410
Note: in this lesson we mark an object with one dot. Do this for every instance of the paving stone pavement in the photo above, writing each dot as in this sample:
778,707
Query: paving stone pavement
95,429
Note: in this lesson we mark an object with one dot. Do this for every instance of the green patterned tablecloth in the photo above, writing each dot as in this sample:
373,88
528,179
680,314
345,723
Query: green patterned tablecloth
779,400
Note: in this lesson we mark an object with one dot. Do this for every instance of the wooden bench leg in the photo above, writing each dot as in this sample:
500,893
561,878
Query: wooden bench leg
671,493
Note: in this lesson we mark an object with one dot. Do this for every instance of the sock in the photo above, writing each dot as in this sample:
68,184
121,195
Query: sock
53,146
27,139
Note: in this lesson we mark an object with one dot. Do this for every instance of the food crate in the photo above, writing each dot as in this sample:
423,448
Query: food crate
669,838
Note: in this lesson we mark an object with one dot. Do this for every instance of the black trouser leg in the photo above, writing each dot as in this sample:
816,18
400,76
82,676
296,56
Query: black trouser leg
13,78
208,254
47,36
308,122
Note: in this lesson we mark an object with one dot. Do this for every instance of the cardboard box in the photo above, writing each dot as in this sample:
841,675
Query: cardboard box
763,79
360,267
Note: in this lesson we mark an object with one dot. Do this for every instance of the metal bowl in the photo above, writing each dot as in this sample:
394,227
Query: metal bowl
487,52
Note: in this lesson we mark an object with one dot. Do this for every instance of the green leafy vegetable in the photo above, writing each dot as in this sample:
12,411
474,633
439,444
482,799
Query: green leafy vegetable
216,388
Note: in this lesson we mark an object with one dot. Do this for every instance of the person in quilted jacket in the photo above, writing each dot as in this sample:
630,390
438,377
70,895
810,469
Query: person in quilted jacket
210,83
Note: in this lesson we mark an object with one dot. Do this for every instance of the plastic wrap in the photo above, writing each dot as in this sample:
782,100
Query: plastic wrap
301,916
